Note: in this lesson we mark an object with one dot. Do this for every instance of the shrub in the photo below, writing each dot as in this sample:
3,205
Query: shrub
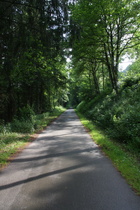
82,107
119,114
130,81
26,114
22,126
5,128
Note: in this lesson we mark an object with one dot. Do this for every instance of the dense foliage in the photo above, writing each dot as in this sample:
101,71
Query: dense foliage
118,115
31,55
29,122
105,32
36,38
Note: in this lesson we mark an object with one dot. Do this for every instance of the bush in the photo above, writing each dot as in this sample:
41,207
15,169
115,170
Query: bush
22,126
119,114
82,107
57,110
26,114
40,120
5,128
129,82
24,121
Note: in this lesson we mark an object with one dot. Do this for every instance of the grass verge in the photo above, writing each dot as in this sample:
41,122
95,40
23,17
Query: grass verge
125,162
11,143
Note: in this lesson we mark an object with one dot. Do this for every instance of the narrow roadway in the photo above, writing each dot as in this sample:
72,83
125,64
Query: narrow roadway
63,169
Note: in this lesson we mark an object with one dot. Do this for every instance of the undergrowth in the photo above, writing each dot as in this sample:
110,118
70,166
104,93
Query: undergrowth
118,115
124,161
17,134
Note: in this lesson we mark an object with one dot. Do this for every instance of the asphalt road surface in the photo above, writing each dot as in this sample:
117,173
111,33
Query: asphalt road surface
63,169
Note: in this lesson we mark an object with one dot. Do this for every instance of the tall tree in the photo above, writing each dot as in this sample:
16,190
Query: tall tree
112,25
31,40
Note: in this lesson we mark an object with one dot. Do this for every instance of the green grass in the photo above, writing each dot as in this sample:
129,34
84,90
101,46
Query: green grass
11,142
42,120
126,163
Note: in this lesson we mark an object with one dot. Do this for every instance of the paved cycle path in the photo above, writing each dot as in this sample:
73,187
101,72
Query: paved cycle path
63,169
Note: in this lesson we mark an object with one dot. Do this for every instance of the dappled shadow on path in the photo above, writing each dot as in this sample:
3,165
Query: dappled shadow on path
43,175
55,155
68,172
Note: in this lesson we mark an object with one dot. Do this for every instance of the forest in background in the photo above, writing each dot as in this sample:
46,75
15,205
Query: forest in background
103,32
32,63
37,37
